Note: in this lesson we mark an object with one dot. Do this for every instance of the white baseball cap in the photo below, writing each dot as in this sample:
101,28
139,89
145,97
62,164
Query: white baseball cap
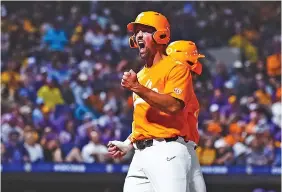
249,139
239,148
238,64
214,108
220,143
83,77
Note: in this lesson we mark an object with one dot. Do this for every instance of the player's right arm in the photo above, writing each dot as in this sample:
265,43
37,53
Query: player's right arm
162,102
177,92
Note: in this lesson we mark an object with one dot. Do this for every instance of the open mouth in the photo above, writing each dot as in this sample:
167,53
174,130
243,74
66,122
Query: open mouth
141,44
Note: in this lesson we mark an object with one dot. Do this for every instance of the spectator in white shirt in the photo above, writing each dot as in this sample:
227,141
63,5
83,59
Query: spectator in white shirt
9,127
94,151
95,37
276,111
34,150
81,88
87,63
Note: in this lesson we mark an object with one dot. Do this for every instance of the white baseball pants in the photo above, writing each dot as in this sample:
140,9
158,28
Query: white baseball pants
165,167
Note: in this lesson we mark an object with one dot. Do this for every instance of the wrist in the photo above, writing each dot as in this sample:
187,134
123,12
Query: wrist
127,141
138,88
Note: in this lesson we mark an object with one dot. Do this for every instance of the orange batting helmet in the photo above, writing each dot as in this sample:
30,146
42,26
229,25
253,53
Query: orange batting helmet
152,19
186,51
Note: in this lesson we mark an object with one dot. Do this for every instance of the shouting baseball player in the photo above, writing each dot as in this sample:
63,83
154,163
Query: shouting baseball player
163,95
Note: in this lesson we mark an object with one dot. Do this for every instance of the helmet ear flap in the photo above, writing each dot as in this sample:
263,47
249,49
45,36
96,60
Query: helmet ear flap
161,37
132,42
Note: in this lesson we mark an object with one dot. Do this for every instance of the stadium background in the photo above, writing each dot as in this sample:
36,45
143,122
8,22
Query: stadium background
61,64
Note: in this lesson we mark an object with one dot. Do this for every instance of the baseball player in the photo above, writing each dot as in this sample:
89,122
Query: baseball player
186,52
161,134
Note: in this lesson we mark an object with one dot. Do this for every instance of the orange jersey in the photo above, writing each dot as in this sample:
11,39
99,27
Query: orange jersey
192,109
166,77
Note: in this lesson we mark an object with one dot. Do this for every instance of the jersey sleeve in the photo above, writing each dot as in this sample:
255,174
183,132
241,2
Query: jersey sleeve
179,83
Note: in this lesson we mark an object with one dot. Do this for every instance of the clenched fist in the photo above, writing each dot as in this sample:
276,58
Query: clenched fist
129,80
117,149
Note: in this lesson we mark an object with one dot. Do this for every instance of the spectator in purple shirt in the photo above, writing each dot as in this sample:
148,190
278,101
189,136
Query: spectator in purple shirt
204,113
41,78
257,154
16,153
220,76
59,119
45,122
218,98
277,159
107,135
230,112
83,131
70,143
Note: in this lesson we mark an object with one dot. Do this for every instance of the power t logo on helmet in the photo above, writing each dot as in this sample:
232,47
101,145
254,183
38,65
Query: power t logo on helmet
155,20
187,52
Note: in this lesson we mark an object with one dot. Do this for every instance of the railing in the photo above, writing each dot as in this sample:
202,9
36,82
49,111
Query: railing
117,168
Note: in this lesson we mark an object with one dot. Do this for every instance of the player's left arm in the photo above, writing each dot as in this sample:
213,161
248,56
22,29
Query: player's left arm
177,91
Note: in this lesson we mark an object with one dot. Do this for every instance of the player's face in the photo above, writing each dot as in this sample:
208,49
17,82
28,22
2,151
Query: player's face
144,40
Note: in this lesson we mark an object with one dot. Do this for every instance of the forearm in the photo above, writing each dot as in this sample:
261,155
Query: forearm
129,139
162,102
226,157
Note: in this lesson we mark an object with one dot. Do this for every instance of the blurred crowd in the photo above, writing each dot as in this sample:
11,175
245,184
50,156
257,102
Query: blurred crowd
61,65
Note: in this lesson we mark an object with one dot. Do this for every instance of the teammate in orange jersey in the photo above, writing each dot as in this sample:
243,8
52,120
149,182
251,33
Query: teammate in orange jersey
186,52
162,92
